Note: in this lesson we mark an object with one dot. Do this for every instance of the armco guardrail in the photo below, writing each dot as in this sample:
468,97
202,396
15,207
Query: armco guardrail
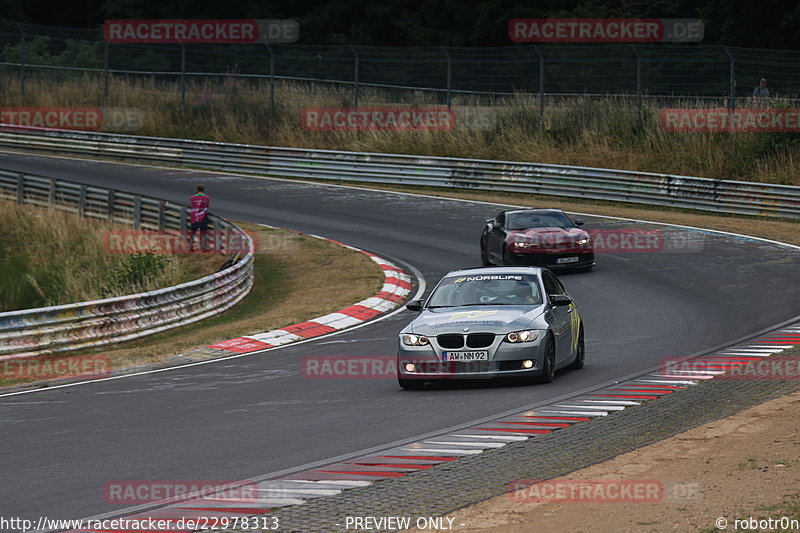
61,328
577,182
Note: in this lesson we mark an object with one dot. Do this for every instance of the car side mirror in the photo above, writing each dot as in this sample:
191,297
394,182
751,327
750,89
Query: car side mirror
414,305
492,223
578,222
560,299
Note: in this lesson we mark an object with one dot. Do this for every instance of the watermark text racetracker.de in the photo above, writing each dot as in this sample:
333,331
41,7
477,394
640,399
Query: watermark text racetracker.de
381,367
730,120
614,241
377,118
45,367
73,118
612,30
135,492
201,31
184,242
562,490
776,368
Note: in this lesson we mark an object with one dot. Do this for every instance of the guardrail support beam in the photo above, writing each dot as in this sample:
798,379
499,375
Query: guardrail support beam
162,205
137,212
112,198
20,188
82,201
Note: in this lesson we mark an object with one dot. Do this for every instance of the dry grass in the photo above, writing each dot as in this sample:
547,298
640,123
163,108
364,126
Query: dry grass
298,279
50,257
577,131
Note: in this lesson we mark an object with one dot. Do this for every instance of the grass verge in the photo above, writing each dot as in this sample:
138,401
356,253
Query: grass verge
297,278
50,257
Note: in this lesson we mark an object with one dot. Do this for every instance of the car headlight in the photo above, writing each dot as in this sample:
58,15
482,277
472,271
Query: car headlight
581,242
527,335
522,244
409,339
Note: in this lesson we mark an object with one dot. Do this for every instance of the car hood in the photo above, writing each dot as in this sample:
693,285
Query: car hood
547,237
494,319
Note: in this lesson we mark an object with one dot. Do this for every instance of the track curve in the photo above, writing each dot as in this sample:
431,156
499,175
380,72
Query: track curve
243,417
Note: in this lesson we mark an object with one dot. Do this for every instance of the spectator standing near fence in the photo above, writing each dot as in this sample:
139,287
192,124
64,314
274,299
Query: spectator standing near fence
198,217
761,94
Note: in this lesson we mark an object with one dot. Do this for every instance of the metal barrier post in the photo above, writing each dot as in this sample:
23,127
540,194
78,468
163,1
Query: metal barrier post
82,201
51,193
20,188
137,212
732,82
161,208
110,205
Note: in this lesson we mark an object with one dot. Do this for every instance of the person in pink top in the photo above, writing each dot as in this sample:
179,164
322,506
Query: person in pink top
198,217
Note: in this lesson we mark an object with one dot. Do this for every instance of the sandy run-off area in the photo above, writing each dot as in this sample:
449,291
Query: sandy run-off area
734,468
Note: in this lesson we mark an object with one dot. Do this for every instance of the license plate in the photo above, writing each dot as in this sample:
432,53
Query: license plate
465,356
562,260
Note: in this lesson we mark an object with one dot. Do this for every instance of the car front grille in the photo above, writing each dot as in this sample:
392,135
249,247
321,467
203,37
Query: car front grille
453,341
480,340
450,341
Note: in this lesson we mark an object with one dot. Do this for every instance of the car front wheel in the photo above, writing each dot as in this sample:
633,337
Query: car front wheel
549,363
580,357
485,256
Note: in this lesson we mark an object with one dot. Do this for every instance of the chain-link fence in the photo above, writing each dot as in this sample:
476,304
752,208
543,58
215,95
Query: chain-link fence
708,75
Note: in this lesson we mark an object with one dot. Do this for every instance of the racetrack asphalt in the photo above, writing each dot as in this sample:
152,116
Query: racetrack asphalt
253,415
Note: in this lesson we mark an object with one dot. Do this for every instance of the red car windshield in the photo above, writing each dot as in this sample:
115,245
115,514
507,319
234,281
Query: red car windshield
525,220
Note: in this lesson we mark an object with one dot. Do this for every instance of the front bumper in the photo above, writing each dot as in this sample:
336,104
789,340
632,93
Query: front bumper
505,359
551,260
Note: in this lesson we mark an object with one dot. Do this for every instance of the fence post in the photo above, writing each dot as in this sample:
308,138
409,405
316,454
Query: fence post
271,83
51,193
82,201
355,75
638,84
541,85
183,77
732,82
105,75
162,205
182,222
137,212
112,198
449,77
21,65
20,188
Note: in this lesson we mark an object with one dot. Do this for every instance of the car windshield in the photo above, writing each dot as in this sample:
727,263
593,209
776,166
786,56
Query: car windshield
530,219
489,289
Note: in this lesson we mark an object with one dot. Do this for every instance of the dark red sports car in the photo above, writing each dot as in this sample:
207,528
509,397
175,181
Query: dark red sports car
537,237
